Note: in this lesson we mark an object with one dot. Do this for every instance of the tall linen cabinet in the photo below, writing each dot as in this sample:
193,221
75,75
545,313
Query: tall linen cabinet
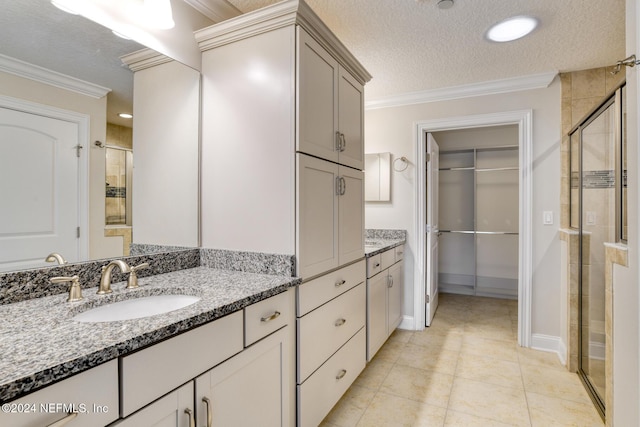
282,159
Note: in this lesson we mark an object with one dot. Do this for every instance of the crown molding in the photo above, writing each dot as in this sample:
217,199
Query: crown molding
51,78
217,11
279,15
514,84
144,58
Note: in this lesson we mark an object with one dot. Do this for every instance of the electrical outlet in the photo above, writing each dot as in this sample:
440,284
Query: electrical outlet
547,217
591,218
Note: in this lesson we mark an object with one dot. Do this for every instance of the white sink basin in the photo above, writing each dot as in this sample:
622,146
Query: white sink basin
136,308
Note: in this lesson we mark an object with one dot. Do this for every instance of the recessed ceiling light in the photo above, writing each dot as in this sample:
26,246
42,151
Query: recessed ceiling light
445,4
512,29
125,115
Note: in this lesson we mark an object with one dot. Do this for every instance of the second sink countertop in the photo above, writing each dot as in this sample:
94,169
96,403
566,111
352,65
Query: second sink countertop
377,246
42,344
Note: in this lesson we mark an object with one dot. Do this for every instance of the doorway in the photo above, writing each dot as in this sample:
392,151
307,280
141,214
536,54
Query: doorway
521,119
43,149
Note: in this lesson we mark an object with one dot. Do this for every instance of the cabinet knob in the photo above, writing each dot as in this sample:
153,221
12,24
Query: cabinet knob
275,315
341,374
340,322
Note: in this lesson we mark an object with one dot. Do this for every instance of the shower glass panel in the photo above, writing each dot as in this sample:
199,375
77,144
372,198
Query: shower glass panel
598,227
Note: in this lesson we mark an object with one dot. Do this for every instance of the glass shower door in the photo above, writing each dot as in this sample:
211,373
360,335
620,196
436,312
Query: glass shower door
598,226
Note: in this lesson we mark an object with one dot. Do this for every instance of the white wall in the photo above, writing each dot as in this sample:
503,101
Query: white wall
626,294
165,162
392,129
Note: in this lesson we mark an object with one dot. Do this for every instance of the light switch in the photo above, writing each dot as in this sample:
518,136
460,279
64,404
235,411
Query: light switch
591,218
547,217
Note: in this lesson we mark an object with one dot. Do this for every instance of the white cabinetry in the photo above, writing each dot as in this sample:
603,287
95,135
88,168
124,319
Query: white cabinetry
330,106
164,385
251,389
93,394
331,339
330,215
385,285
175,409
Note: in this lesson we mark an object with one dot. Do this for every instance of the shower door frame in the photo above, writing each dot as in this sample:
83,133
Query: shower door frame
613,98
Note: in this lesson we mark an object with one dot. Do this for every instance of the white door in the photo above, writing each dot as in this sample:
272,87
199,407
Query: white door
432,230
38,188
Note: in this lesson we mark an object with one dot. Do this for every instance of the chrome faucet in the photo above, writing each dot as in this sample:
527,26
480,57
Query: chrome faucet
53,256
105,279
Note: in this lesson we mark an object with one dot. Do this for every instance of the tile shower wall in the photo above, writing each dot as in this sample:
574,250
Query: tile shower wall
581,92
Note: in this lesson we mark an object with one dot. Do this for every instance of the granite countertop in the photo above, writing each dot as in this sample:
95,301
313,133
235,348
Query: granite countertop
41,344
378,245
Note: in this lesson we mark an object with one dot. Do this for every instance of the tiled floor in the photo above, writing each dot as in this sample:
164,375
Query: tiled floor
465,370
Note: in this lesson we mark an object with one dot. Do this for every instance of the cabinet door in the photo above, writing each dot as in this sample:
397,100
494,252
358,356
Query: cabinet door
251,389
317,216
395,289
173,410
351,120
351,222
376,313
317,74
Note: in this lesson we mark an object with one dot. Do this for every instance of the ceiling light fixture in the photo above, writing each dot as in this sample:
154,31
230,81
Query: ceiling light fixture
125,115
511,29
445,4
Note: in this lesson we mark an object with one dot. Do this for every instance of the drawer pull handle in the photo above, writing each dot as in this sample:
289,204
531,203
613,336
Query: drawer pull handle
64,421
275,315
340,283
376,265
192,421
341,374
400,253
207,402
340,322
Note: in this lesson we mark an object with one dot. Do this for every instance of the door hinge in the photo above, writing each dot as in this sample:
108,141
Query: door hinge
428,157
78,232
428,298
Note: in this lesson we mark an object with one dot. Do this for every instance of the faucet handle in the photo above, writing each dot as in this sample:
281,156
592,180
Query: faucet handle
132,281
75,291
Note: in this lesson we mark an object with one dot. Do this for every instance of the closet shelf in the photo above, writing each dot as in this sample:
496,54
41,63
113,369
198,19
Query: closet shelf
510,233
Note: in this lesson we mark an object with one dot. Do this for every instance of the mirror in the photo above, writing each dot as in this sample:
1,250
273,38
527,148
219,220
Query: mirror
76,63
377,177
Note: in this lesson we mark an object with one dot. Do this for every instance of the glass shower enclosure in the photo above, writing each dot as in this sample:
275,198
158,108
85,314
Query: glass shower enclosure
597,198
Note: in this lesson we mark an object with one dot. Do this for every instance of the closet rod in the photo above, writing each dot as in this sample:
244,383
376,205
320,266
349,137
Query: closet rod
469,168
497,169
511,233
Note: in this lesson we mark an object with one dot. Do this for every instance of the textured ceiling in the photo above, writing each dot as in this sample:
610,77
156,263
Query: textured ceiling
411,45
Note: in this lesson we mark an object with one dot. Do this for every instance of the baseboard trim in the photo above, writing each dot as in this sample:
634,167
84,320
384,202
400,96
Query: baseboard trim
408,323
551,344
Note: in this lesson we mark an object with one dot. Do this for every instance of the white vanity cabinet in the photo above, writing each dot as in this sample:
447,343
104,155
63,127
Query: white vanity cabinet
330,213
93,394
385,283
330,106
208,373
331,339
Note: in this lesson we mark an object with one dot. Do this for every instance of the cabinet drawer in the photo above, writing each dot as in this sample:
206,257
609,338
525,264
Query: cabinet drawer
318,291
96,387
326,329
267,316
374,265
399,253
387,259
149,373
324,388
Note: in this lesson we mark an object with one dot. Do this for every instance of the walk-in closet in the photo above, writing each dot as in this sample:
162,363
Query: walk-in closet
478,211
